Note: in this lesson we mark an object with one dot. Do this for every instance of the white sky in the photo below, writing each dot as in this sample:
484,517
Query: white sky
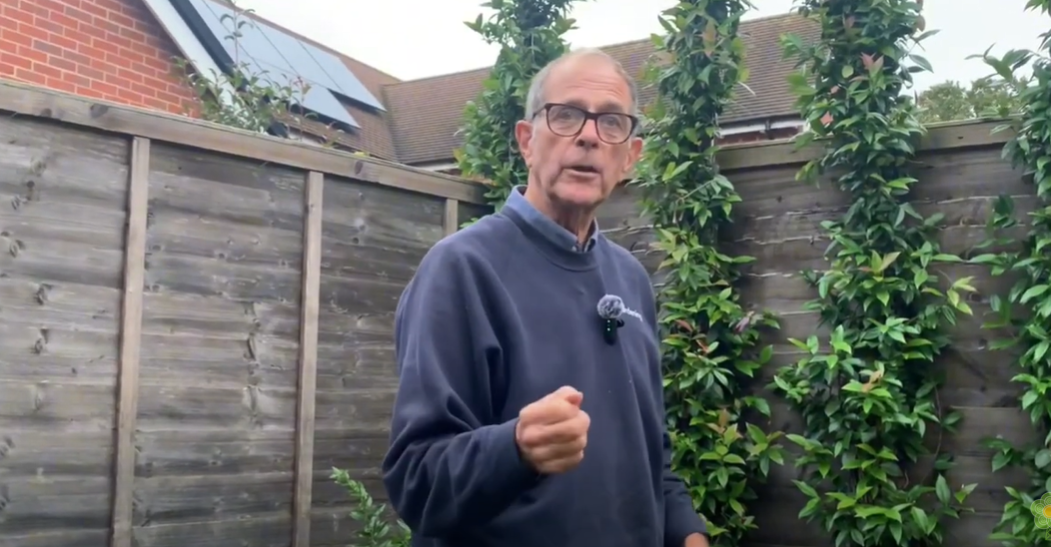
417,38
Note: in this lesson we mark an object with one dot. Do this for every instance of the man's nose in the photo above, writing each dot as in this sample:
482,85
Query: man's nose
588,137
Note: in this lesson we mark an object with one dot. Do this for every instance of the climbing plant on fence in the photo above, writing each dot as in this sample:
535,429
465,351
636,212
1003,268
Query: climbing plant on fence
1026,519
710,343
530,35
869,392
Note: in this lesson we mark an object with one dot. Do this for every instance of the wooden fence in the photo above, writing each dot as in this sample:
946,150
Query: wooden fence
195,325
196,322
960,172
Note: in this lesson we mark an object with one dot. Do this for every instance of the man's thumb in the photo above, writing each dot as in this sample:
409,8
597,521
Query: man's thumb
570,395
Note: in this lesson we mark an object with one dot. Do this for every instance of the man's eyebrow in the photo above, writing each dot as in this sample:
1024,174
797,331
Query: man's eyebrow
611,107
606,107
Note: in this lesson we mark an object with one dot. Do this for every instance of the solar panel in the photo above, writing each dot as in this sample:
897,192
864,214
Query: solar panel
277,53
322,101
293,52
187,42
317,99
348,84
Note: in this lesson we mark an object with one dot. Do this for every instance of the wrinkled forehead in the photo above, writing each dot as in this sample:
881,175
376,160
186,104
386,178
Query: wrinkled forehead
588,82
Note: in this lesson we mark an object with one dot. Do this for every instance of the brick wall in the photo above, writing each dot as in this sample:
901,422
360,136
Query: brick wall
105,49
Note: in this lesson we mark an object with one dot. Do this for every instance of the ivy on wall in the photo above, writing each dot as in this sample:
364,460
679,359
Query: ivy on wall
1026,519
530,34
710,342
869,393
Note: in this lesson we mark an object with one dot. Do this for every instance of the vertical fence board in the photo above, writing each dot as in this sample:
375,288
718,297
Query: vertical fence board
131,340
451,221
308,358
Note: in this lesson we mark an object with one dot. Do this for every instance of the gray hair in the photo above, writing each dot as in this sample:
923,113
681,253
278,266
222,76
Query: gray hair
535,99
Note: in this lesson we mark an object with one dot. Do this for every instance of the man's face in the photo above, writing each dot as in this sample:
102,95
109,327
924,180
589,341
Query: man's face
579,171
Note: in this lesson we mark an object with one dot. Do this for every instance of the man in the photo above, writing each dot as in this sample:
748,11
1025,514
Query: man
519,421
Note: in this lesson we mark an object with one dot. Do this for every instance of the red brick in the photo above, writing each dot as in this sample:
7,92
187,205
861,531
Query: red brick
50,26
61,85
95,9
33,54
78,58
103,46
104,88
78,14
121,19
90,73
19,15
93,31
47,71
18,38
35,9
30,76
47,47
34,32
76,79
7,22
111,5
92,93
62,41
14,61
130,75
62,64
59,18
51,5
87,49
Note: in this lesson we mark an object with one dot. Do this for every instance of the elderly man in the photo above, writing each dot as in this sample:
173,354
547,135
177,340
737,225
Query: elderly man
530,409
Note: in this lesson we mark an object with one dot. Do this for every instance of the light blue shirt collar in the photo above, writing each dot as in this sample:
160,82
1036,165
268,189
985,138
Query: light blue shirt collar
557,234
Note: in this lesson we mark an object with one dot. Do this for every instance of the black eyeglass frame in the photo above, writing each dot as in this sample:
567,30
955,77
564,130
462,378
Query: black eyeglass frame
588,116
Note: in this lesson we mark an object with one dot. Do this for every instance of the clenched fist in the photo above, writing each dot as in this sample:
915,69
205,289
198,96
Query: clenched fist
552,432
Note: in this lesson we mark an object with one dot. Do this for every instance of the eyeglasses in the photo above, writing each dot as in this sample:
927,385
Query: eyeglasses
567,120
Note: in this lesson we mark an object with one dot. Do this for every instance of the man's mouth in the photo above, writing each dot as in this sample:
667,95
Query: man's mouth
583,169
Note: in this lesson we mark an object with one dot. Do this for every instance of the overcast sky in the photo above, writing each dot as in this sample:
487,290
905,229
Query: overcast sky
418,38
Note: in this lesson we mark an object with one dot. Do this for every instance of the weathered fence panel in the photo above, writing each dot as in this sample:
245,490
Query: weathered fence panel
196,325
778,222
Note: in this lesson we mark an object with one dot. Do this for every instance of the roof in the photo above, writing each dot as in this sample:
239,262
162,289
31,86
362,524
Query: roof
427,113
424,116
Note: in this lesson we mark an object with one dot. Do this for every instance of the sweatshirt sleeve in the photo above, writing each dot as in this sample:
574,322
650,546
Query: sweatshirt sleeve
680,518
449,465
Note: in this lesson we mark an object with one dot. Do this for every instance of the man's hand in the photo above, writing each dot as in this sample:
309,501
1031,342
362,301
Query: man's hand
696,540
552,432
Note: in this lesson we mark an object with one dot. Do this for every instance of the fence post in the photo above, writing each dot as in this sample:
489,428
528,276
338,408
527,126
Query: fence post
131,340
452,213
308,335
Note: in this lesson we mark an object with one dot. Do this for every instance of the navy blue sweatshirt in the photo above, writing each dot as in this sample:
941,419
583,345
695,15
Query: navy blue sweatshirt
497,316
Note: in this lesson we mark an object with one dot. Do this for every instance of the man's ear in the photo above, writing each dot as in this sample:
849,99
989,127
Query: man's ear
632,158
524,136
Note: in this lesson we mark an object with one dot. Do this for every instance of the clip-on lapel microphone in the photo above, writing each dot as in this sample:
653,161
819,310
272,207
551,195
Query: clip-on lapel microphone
610,308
